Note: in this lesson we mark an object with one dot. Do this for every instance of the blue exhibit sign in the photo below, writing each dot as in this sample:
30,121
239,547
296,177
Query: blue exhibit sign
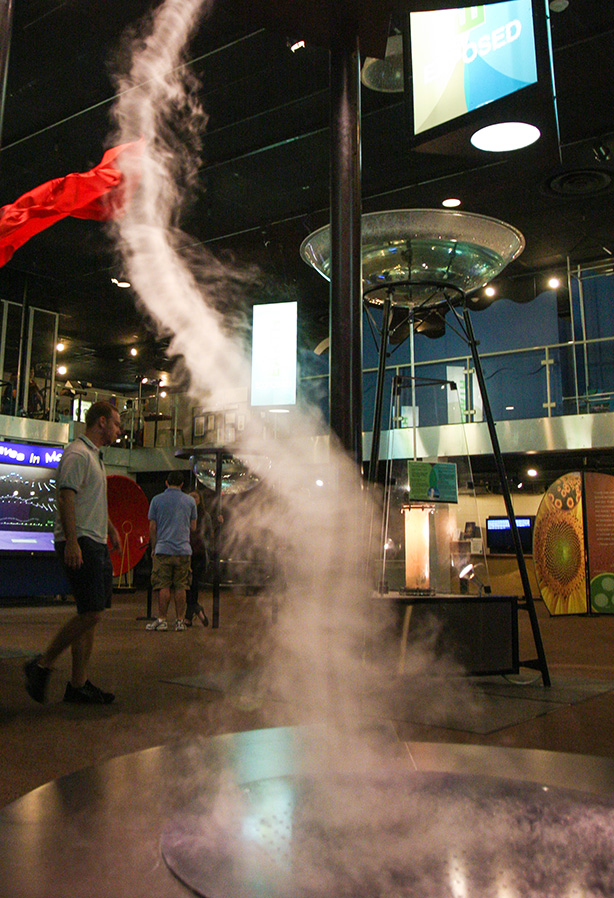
33,456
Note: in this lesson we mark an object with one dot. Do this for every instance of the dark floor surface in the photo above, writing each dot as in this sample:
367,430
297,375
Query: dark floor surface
174,685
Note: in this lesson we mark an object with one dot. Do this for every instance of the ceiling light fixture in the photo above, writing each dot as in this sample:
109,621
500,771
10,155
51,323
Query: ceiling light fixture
134,351
490,291
62,370
296,45
505,136
554,283
385,75
451,203
60,347
122,284
532,472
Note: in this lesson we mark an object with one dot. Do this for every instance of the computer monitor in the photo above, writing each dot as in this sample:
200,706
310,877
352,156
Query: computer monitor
499,534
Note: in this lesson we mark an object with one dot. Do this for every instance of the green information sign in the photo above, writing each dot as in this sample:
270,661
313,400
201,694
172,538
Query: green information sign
435,482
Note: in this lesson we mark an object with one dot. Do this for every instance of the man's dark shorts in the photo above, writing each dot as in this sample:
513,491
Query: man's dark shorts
92,583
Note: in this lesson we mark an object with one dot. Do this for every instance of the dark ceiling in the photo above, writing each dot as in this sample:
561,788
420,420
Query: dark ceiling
265,177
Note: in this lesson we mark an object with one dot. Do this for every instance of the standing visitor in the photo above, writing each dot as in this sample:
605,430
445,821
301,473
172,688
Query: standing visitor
172,517
81,529
199,540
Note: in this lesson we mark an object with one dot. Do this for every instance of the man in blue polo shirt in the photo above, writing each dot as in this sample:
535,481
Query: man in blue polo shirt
172,516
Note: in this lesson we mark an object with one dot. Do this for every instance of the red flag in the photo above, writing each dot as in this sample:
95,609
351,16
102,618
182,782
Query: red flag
101,194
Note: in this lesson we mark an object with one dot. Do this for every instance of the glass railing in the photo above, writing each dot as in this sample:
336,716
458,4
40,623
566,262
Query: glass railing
536,382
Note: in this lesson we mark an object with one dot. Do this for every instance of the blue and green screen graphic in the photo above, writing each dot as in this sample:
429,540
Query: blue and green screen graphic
465,58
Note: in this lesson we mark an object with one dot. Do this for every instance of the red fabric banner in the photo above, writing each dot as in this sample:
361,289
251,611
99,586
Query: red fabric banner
101,194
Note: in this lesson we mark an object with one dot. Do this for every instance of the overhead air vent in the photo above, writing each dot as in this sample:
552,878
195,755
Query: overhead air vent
580,182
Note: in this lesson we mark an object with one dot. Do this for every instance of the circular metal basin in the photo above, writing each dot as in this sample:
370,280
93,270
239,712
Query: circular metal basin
433,835
414,254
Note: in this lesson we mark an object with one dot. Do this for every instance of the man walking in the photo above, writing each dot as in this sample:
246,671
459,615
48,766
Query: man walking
172,516
81,529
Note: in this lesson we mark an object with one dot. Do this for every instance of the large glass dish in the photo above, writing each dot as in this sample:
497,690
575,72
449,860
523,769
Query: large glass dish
419,252
238,474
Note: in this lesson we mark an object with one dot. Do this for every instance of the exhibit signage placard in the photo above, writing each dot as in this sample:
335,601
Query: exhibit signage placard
34,456
558,547
432,481
599,507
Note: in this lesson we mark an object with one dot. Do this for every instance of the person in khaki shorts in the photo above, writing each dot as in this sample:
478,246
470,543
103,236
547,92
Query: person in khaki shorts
172,516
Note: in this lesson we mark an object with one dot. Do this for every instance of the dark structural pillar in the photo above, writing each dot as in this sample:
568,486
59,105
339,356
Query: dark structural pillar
345,392
6,27
217,532
540,663
379,390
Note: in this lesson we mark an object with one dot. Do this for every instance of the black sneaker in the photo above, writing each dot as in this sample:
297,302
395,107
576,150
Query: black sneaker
88,694
37,678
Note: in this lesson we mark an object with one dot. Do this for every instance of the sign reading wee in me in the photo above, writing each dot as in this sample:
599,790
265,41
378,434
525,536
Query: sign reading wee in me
33,456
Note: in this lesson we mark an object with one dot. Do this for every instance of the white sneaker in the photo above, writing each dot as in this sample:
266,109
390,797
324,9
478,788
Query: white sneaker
179,625
157,625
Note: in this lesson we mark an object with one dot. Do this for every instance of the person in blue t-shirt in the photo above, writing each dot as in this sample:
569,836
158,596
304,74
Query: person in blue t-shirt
172,517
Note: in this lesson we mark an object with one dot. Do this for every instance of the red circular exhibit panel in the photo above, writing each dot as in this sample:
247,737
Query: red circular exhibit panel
128,509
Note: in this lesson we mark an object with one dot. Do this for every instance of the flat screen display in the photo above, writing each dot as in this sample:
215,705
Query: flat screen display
27,496
463,59
499,534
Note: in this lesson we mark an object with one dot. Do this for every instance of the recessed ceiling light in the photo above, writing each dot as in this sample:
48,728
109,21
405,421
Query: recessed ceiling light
554,283
133,351
532,472
60,347
62,370
451,203
505,136
490,291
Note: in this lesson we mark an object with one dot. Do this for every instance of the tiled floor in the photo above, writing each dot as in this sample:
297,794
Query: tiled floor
175,685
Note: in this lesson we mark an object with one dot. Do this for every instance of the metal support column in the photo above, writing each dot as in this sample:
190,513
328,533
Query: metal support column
379,391
540,663
217,528
345,355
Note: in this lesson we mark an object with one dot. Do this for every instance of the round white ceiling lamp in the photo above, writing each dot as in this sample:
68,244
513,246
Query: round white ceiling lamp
451,203
505,136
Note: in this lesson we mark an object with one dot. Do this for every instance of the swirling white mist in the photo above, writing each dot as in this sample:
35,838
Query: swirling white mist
318,654
318,534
